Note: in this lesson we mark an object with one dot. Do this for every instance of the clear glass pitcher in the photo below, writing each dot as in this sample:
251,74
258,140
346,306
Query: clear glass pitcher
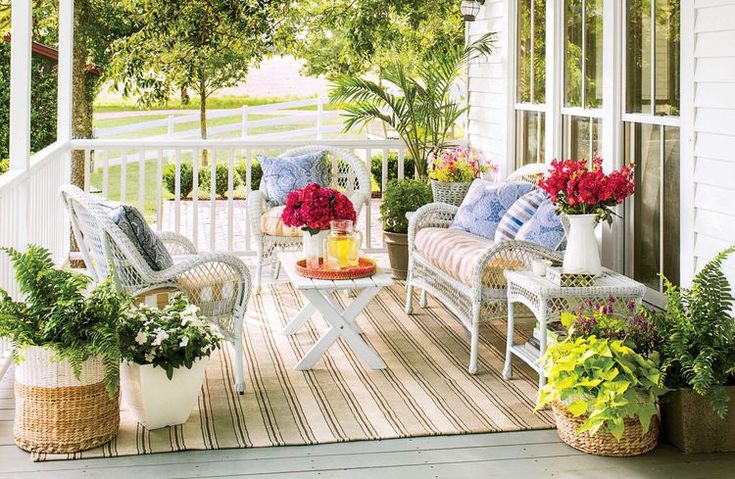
342,246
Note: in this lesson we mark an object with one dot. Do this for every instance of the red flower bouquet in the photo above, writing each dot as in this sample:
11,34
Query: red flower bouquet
313,207
578,190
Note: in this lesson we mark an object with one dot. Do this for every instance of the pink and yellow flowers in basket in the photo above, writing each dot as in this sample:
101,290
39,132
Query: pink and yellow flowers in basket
459,165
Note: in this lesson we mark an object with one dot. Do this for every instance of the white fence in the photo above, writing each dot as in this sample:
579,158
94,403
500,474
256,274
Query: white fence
288,114
32,213
212,222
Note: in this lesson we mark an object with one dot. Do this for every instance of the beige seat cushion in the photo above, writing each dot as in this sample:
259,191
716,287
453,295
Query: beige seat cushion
272,224
457,252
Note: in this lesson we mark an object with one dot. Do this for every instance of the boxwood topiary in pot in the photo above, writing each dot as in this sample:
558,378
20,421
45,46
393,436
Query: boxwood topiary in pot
67,354
698,348
401,197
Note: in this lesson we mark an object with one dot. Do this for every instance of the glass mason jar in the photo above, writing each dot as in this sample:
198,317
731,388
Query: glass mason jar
342,246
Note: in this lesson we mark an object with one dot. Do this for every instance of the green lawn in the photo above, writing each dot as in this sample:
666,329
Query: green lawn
214,103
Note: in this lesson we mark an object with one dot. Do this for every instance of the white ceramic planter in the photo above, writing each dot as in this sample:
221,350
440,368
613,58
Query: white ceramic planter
314,247
157,401
582,255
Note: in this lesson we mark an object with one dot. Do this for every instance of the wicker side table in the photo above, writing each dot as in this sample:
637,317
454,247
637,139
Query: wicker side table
547,301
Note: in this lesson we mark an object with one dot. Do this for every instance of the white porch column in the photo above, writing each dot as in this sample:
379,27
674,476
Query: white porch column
65,84
20,84
554,76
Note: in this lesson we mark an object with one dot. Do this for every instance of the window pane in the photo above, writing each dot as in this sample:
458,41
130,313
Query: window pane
671,211
667,57
638,56
530,133
643,146
593,53
523,78
581,137
539,51
573,53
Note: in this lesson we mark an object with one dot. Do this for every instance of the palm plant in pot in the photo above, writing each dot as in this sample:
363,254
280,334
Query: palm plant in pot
401,197
604,381
415,100
698,347
67,354
165,355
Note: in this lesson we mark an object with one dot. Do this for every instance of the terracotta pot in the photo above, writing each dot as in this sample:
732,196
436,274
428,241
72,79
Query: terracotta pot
397,244
691,425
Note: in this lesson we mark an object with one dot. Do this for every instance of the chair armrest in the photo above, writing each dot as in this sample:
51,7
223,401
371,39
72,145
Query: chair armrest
359,199
256,208
433,215
177,244
513,254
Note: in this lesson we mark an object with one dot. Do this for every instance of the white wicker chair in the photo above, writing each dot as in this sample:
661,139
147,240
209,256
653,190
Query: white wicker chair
348,174
486,297
218,284
529,173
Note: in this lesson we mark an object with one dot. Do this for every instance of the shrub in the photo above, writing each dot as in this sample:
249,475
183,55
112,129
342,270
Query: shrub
4,166
401,197
221,179
698,334
186,178
376,167
256,172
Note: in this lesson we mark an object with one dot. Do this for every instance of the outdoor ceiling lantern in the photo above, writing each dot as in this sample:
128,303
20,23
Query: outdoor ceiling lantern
470,9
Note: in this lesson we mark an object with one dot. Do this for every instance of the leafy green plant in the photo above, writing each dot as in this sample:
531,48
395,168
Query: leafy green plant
186,178
170,338
698,332
256,173
4,165
419,107
602,379
221,181
402,196
58,315
376,167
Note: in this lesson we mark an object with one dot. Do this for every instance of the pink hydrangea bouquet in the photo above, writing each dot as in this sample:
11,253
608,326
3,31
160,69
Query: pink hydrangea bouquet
577,189
313,207
459,165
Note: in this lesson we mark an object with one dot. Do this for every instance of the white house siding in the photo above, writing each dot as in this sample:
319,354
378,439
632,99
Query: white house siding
488,86
714,131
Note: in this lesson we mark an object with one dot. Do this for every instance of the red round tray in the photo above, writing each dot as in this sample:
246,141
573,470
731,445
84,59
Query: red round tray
365,268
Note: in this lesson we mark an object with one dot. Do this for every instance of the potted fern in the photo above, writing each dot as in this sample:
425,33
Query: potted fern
698,347
67,355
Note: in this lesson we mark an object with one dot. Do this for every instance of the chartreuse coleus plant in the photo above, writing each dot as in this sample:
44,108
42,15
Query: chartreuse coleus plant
604,380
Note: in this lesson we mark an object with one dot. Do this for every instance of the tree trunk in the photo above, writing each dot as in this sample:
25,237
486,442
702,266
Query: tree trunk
203,116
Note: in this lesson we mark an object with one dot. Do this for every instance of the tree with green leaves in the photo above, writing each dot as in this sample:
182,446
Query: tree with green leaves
419,107
351,37
197,45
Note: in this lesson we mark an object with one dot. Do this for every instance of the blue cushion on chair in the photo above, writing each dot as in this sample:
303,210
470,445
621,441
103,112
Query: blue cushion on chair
284,174
485,204
544,228
518,214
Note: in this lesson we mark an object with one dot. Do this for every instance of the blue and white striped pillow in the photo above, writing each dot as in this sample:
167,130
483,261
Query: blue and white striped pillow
518,214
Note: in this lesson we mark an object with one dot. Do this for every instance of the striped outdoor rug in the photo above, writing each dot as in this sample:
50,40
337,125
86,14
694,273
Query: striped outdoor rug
425,390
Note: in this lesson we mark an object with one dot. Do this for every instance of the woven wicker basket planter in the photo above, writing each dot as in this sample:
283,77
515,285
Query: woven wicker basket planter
446,192
633,442
57,413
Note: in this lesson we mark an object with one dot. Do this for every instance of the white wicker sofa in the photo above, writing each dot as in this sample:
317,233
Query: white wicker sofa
348,174
476,291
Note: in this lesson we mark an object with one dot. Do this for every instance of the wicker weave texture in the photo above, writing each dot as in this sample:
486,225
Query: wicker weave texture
452,193
633,443
62,419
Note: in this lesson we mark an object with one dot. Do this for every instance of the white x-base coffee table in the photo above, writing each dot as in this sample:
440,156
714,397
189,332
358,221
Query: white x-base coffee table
319,295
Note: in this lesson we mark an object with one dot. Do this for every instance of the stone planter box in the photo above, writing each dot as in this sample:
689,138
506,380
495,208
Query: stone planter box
691,425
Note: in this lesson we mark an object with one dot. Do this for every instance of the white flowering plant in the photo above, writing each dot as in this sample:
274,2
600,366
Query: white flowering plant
169,338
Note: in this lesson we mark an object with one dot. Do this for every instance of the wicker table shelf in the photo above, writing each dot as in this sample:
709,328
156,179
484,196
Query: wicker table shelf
547,301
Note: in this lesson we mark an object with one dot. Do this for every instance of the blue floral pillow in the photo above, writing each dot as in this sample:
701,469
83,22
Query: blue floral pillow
518,214
485,204
284,174
544,228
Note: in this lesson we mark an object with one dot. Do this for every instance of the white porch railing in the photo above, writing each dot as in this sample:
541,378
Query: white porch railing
132,171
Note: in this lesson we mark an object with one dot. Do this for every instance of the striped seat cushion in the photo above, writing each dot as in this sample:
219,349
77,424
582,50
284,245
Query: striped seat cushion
272,224
518,214
457,252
